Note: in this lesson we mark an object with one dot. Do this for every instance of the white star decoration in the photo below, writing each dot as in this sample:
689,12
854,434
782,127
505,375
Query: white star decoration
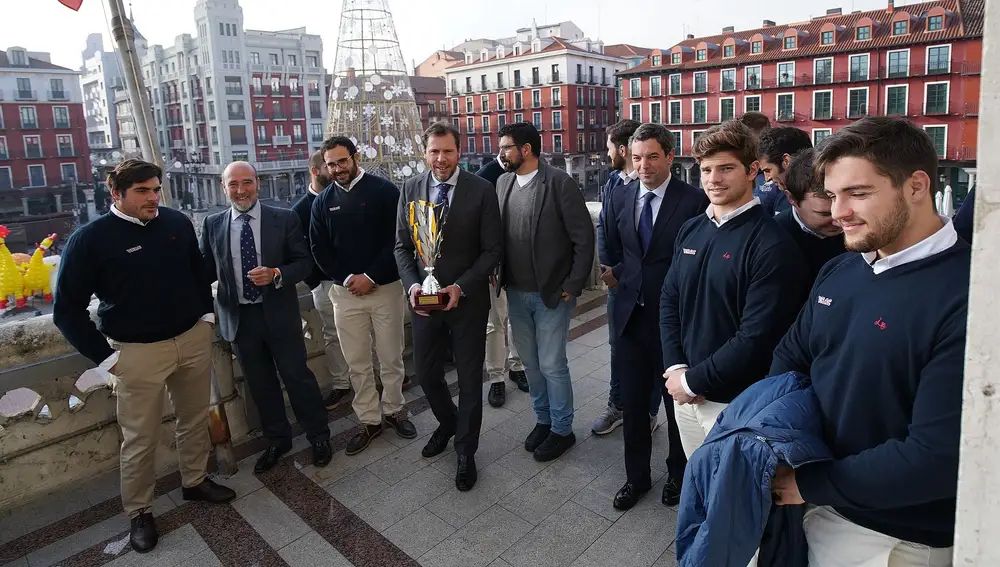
387,120
369,110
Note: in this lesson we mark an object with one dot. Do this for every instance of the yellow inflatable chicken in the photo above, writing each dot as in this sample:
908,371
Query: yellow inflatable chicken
11,280
37,279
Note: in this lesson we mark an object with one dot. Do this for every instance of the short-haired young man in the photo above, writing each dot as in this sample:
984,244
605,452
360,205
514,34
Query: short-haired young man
757,122
143,263
809,221
777,146
733,289
882,336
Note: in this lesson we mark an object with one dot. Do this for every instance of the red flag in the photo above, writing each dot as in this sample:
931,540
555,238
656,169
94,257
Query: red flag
72,4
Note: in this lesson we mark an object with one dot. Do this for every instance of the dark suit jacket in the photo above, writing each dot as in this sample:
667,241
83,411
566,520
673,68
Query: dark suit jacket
491,171
562,233
282,246
639,273
614,181
470,243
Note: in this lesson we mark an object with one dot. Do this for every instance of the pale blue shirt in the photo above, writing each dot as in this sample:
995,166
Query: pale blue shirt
659,192
235,228
435,189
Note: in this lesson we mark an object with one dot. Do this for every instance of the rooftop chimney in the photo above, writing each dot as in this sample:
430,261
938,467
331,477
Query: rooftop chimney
891,7
768,24
834,12
728,29
690,36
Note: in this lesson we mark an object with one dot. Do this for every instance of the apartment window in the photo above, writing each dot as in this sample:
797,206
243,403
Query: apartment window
702,55
819,135
655,113
863,33
486,124
635,112
36,176
29,120
677,142
656,61
859,67
222,28
557,145
470,124
235,108
4,153
468,84
579,143
728,80
276,112
468,104
826,38
579,119
241,155
699,109
786,107
604,97
501,121
517,78
727,109
555,73
899,28
654,86
936,98
262,134
536,78
316,132
315,111
234,86
939,135
675,58
211,110
604,118
292,60
255,57
518,117
536,120
935,23
274,58
56,86
593,117
786,74
454,106
635,88
857,103
484,103
593,141
790,42
675,84
675,111
518,101
471,145
24,91
557,120
899,64
579,96
938,60
753,76
487,145
822,105
823,71
61,116
5,180
895,100
456,123
32,147
556,96
751,103
215,135
501,102
729,51
701,82
756,47
536,99
312,61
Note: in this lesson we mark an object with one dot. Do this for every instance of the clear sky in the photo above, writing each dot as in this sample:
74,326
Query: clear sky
422,25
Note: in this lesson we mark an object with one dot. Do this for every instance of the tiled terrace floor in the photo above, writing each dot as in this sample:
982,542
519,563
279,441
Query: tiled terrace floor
387,506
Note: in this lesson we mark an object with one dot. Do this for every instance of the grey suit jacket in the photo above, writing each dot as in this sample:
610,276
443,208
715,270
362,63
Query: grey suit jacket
282,246
562,232
471,240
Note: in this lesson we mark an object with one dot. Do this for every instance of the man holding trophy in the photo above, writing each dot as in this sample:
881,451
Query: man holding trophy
448,244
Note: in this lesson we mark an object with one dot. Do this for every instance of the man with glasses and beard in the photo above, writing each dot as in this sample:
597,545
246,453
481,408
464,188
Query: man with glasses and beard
353,233
258,254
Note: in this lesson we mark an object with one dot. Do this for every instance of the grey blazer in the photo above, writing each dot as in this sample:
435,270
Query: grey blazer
471,240
562,234
282,246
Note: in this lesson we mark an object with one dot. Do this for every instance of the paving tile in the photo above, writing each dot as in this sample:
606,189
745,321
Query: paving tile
244,482
204,559
596,454
173,548
558,540
100,488
479,542
419,532
492,446
356,487
22,562
341,465
311,550
517,401
582,367
595,338
270,518
499,562
522,463
400,464
543,494
668,559
586,389
493,417
575,350
390,506
599,495
41,512
601,354
425,422
459,508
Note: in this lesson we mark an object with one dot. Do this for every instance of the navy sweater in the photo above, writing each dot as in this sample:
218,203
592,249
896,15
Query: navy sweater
886,355
815,251
730,295
149,279
303,208
354,232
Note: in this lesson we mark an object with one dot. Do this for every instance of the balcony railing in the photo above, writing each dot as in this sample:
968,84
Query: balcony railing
279,116
66,151
294,91
298,116
264,141
62,124
25,95
177,144
783,115
234,90
855,112
33,152
196,93
199,118
823,114
237,116
972,109
555,78
536,80
239,141
278,91
313,92
298,139
259,116
936,109
58,95
317,137
29,125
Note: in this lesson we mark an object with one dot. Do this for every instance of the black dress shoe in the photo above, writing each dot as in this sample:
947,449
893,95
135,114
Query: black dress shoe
363,439
401,425
143,536
336,398
209,491
467,475
536,437
437,443
518,377
322,454
554,446
671,492
498,394
629,495
407,382
271,457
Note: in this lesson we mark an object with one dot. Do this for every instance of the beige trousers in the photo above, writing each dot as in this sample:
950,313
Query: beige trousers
835,541
335,363
501,354
357,317
694,422
184,365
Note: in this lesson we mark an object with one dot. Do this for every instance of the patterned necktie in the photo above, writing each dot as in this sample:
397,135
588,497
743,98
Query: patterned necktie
646,220
442,197
248,259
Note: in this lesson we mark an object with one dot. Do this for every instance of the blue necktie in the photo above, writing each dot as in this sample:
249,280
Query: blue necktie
646,220
248,259
442,197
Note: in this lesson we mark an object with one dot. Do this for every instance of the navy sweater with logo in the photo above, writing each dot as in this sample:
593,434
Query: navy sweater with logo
816,251
886,355
303,208
149,279
730,295
354,232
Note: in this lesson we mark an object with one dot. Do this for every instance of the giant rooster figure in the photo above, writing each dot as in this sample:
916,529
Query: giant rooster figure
37,279
11,280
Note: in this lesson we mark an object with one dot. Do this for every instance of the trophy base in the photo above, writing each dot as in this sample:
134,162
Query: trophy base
426,303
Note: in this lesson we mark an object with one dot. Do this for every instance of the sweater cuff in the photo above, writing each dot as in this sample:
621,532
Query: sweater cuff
813,481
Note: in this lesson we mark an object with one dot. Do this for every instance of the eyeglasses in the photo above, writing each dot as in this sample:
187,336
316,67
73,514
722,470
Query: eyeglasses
342,163
505,149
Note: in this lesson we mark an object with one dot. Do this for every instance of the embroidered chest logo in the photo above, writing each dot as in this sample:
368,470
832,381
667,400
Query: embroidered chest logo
880,323
826,301
726,256
332,209
690,252
134,249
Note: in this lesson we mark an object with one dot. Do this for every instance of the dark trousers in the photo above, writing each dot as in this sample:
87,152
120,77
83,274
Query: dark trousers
614,393
259,349
640,370
467,327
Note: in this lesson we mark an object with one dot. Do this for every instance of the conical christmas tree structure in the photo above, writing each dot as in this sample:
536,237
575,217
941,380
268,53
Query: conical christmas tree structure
371,100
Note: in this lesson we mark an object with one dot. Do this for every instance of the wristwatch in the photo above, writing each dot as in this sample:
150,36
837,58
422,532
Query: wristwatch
277,277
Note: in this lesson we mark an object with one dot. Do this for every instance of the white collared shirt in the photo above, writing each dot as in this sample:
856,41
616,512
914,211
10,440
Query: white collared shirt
805,228
316,193
355,181
943,239
659,192
630,177
730,216
235,230
451,182
133,220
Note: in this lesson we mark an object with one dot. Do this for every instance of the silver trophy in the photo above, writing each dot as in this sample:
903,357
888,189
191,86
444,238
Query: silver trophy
426,222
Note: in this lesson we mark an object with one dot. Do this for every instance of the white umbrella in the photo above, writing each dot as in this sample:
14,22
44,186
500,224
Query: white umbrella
938,201
948,207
